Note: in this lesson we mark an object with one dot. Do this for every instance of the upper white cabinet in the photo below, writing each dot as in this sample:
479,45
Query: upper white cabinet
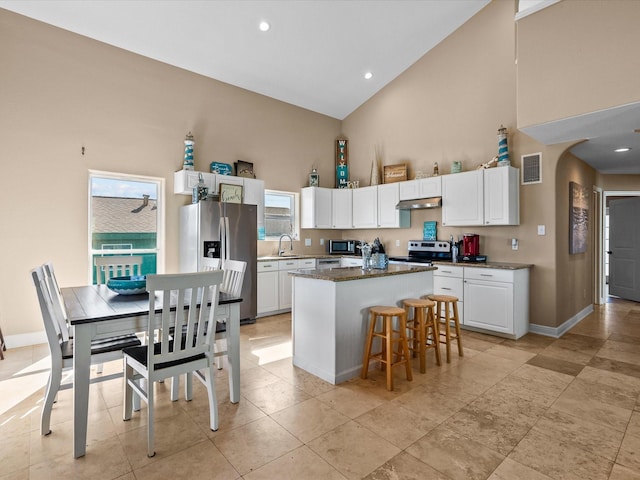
421,188
388,215
341,206
462,198
365,207
254,194
481,197
316,211
501,196
185,180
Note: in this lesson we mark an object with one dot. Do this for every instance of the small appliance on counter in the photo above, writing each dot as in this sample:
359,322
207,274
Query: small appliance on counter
344,247
471,249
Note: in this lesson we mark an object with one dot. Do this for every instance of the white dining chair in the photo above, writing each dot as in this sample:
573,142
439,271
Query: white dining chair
196,301
209,263
61,350
116,266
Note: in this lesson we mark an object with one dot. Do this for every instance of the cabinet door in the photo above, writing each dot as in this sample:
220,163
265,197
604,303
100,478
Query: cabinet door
409,190
365,207
185,180
267,292
501,196
316,207
489,305
430,187
285,287
388,215
341,204
254,194
229,180
462,198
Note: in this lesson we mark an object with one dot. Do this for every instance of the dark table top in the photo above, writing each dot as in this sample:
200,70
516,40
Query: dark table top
93,303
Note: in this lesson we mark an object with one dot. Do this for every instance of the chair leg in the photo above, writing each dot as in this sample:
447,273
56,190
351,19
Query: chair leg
150,425
218,348
175,387
128,394
367,347
389,350
435,333
213,401
455,313
188,386
53,385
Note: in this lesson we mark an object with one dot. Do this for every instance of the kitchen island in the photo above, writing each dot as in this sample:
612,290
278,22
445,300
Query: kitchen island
330,313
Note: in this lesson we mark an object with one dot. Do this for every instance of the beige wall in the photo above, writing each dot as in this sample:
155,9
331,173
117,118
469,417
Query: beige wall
61,92
577,57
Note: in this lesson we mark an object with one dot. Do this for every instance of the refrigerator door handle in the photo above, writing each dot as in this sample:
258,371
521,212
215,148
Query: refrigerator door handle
224,239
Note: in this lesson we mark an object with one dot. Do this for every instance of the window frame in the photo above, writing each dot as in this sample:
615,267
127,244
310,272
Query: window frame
295,200
160,223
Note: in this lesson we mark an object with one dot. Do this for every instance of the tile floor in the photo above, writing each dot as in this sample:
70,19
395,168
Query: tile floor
533,409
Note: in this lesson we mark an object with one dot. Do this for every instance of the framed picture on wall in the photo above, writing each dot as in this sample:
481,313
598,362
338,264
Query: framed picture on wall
578,218
230,193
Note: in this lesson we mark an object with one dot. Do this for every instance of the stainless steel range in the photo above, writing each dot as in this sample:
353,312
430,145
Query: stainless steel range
424,252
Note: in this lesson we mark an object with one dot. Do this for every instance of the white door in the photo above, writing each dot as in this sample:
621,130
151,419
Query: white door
624,248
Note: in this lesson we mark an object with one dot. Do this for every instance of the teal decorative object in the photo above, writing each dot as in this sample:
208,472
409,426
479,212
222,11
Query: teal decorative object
129,285
221,168
429,232
188,152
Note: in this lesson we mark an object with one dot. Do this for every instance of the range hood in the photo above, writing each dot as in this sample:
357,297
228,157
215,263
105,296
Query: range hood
419,203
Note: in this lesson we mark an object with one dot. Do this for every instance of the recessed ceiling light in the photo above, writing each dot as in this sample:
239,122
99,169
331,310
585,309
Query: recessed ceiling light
264,26
368,75
622,150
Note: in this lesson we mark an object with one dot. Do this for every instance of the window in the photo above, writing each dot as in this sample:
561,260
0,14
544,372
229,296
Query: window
281,214
125,218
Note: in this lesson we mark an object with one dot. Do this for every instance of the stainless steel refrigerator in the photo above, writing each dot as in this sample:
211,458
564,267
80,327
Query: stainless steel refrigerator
222,230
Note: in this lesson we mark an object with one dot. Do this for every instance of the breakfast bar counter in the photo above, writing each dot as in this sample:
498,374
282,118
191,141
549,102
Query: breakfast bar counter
330,313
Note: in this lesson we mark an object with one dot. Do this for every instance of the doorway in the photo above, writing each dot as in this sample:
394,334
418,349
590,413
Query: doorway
602,270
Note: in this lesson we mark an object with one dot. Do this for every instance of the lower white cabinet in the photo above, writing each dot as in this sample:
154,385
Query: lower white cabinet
267,287
350,262
449,280
497,300
285,283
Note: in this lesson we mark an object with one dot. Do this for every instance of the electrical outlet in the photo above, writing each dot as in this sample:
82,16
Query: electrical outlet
514,244
397,243
321,241
541,230
307,242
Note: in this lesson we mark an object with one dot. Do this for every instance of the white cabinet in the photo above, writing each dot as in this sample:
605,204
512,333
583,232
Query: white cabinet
316,209
229,180
267,286
421,188
462,198
341,203
185,180
350,262
449,280
497,300
388,215
253,194
285,283
481,197
501,196
365,207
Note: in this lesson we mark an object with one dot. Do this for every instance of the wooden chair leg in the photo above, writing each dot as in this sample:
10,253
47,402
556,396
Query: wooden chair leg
405,347
367,347
458,338
389,351
435,333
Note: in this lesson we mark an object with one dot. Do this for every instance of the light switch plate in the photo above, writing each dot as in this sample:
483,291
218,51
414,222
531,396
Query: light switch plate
307,242
322,241
541,230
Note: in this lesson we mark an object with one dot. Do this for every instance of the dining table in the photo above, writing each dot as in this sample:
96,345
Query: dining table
95,312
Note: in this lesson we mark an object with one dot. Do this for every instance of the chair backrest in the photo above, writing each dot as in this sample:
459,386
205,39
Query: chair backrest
233,277
195,298
49,315
58,302
116,266
207,264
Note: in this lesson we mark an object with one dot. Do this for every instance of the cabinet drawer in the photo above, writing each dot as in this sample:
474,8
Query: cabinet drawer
488,274
287,264
267,266
448,286
448,271
307,263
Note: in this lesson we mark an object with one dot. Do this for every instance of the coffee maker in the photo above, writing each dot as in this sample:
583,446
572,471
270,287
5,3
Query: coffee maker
471,244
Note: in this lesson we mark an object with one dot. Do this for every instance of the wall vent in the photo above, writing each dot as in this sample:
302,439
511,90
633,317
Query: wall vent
531,168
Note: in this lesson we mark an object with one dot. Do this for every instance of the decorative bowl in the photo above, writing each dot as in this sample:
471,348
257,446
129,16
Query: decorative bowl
129,285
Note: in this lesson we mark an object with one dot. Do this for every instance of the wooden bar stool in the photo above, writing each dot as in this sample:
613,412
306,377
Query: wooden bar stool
385,356
447,312
423,329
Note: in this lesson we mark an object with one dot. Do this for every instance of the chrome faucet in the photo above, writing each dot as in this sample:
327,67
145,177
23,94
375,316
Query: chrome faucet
280,250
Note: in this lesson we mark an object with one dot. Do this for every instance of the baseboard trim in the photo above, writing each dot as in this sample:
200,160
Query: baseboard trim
25,339
557,332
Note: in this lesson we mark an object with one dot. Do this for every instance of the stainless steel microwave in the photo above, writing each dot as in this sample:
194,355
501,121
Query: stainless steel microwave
344,247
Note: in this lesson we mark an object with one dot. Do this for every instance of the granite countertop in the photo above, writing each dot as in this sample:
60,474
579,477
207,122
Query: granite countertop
500,265
271,258
356,273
